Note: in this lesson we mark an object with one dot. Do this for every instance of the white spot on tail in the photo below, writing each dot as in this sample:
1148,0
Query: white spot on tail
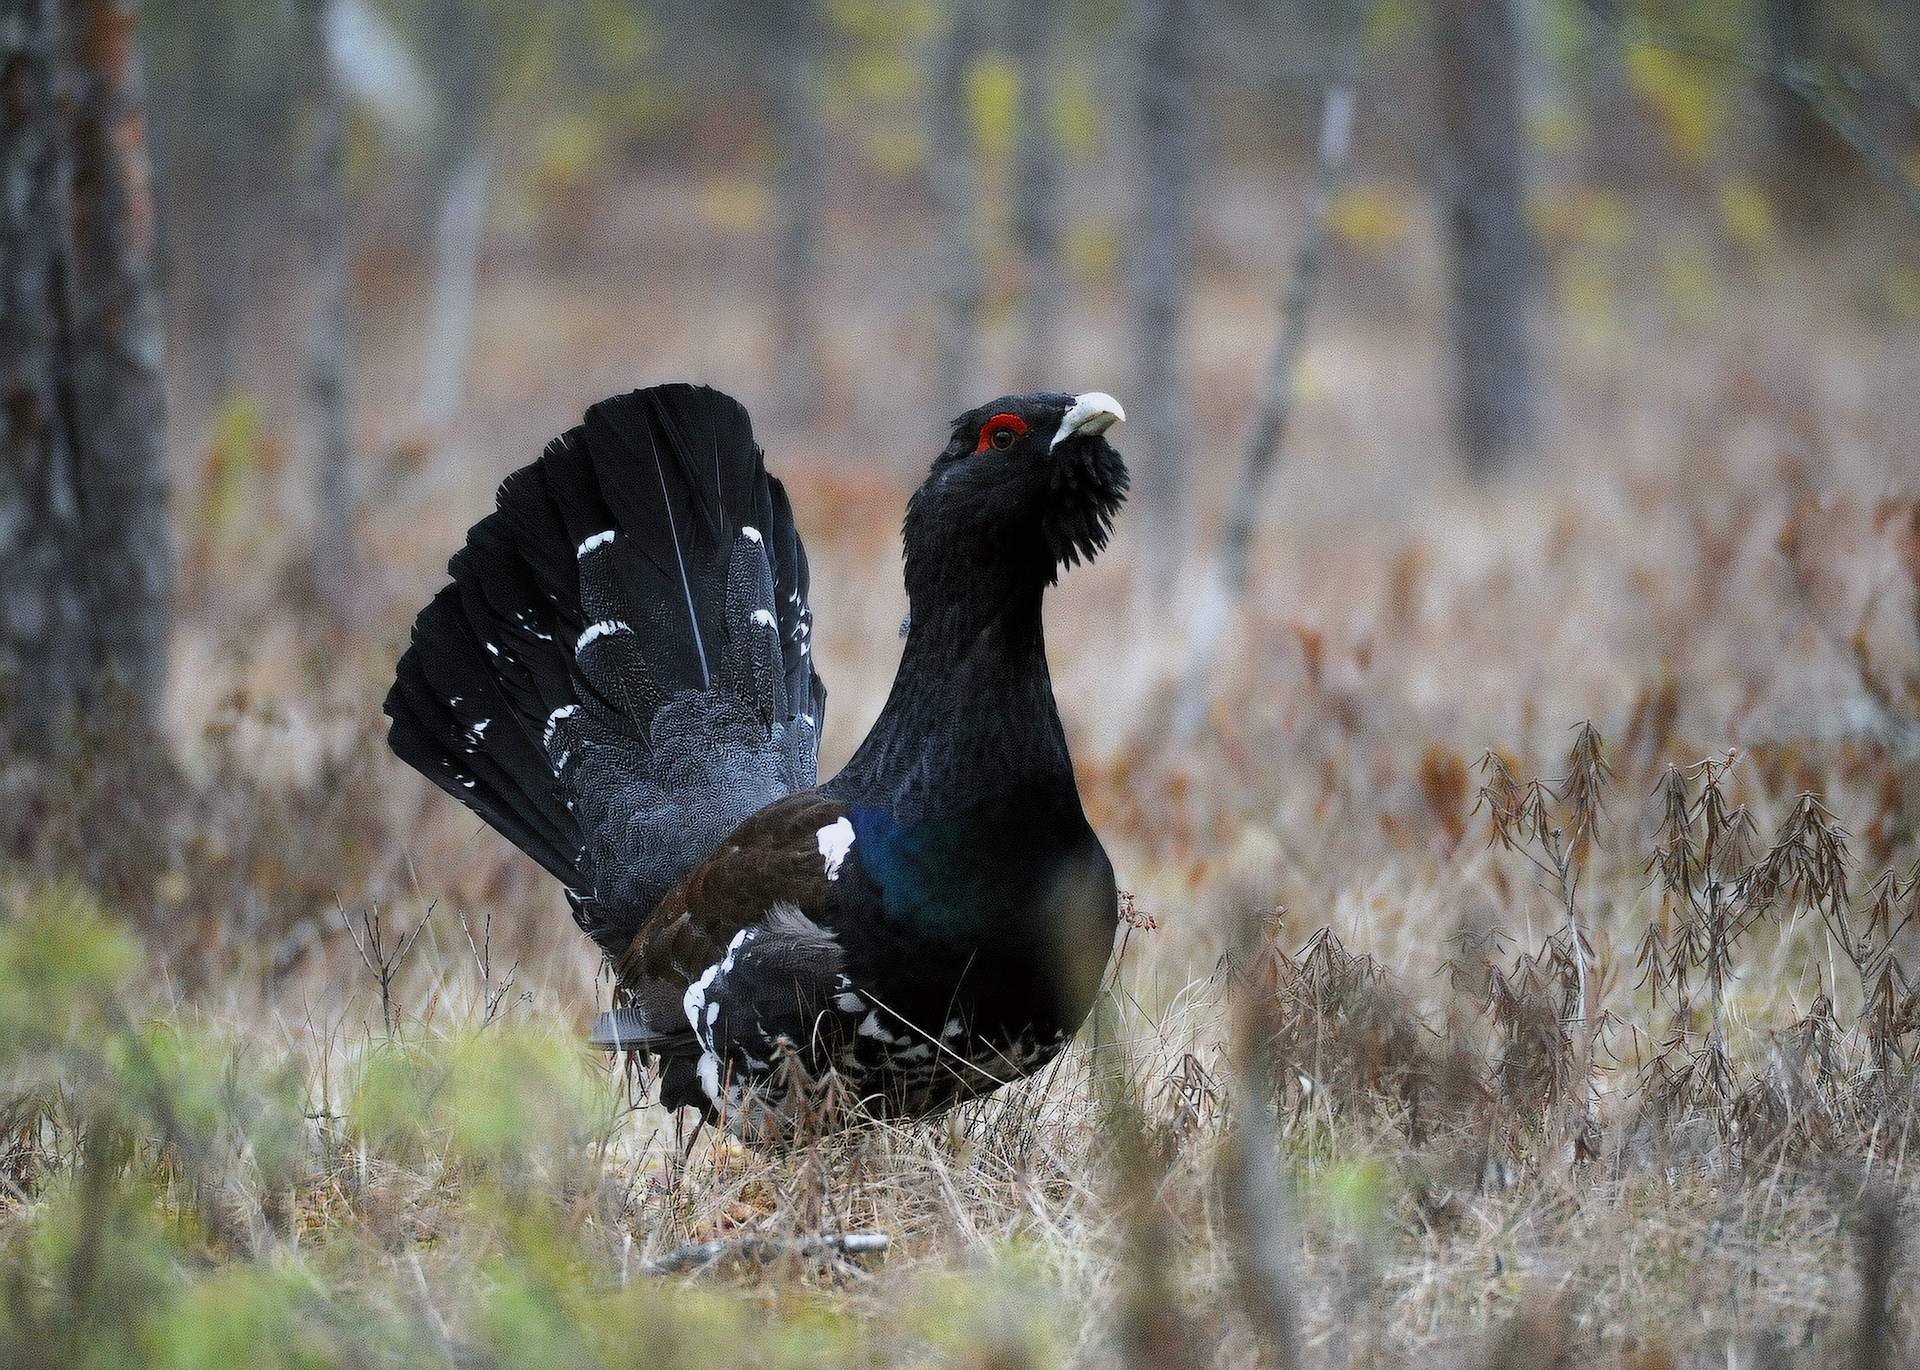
870,1027
750,533
709,1072
836,840
597,540
849,1002
553,721
606,627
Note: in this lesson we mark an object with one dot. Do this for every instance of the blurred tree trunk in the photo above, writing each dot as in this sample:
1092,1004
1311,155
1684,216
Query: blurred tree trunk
86,558
953,185
228,212
467,179
1039,199
1792,129
1233,563
1806,162
1167,150
802,187
1495,273
1617,144
328,346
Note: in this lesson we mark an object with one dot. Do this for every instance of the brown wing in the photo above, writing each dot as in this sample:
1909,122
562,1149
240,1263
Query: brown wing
772,858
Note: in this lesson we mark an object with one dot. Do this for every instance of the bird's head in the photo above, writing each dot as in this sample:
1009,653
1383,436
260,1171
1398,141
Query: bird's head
1027,484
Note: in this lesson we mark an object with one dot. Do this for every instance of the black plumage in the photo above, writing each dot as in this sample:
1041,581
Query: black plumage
620,681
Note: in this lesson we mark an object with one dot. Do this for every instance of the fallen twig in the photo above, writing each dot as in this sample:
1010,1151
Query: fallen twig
762,1247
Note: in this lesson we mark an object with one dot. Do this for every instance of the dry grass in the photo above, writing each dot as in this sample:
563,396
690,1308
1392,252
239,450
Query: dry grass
1610,1067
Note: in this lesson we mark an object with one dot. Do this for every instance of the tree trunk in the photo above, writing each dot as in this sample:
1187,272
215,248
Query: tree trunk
1233,563
1807,164
1495,272
1167,148
467,156
801,180
225,218
1039,197
954,186
327,339
86,559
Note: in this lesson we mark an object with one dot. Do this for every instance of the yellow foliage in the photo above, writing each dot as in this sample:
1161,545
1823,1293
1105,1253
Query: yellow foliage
993,105
1587,291
1076,115
1604,219
1092,250
885,76
241,448
897,150
1554,129
1310,380
734,203
1682,91
1580,214
903,24
1903,291
1687,281
567,150
1748,216
1369,217
1392,22
622,33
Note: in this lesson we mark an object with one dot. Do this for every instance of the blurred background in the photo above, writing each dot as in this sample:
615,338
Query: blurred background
1491,366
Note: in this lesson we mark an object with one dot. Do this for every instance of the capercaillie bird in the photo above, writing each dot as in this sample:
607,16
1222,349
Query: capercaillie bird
620,680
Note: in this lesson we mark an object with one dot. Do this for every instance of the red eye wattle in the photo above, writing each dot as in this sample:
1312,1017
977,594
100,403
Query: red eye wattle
1000,431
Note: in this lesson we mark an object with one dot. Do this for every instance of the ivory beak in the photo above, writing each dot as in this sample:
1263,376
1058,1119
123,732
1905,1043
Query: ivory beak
1094,412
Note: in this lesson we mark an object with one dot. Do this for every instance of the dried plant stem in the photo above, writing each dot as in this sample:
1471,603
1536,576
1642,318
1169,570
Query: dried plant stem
1567,878
1258,1208
383,962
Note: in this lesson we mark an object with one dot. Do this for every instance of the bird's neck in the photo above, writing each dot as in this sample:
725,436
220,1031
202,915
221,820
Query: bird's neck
971,715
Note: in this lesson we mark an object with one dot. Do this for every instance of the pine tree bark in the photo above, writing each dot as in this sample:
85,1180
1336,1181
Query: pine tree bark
1039,195
1495,271
801,185
328,339
953,185
1167,149
467,186
86,557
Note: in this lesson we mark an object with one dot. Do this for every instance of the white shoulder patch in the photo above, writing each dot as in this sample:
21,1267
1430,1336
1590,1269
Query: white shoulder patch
836,840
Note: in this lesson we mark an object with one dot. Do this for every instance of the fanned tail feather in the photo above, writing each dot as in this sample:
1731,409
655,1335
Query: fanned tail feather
621,669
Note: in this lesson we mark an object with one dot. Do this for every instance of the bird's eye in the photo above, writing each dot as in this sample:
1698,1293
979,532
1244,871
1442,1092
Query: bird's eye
1000,431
